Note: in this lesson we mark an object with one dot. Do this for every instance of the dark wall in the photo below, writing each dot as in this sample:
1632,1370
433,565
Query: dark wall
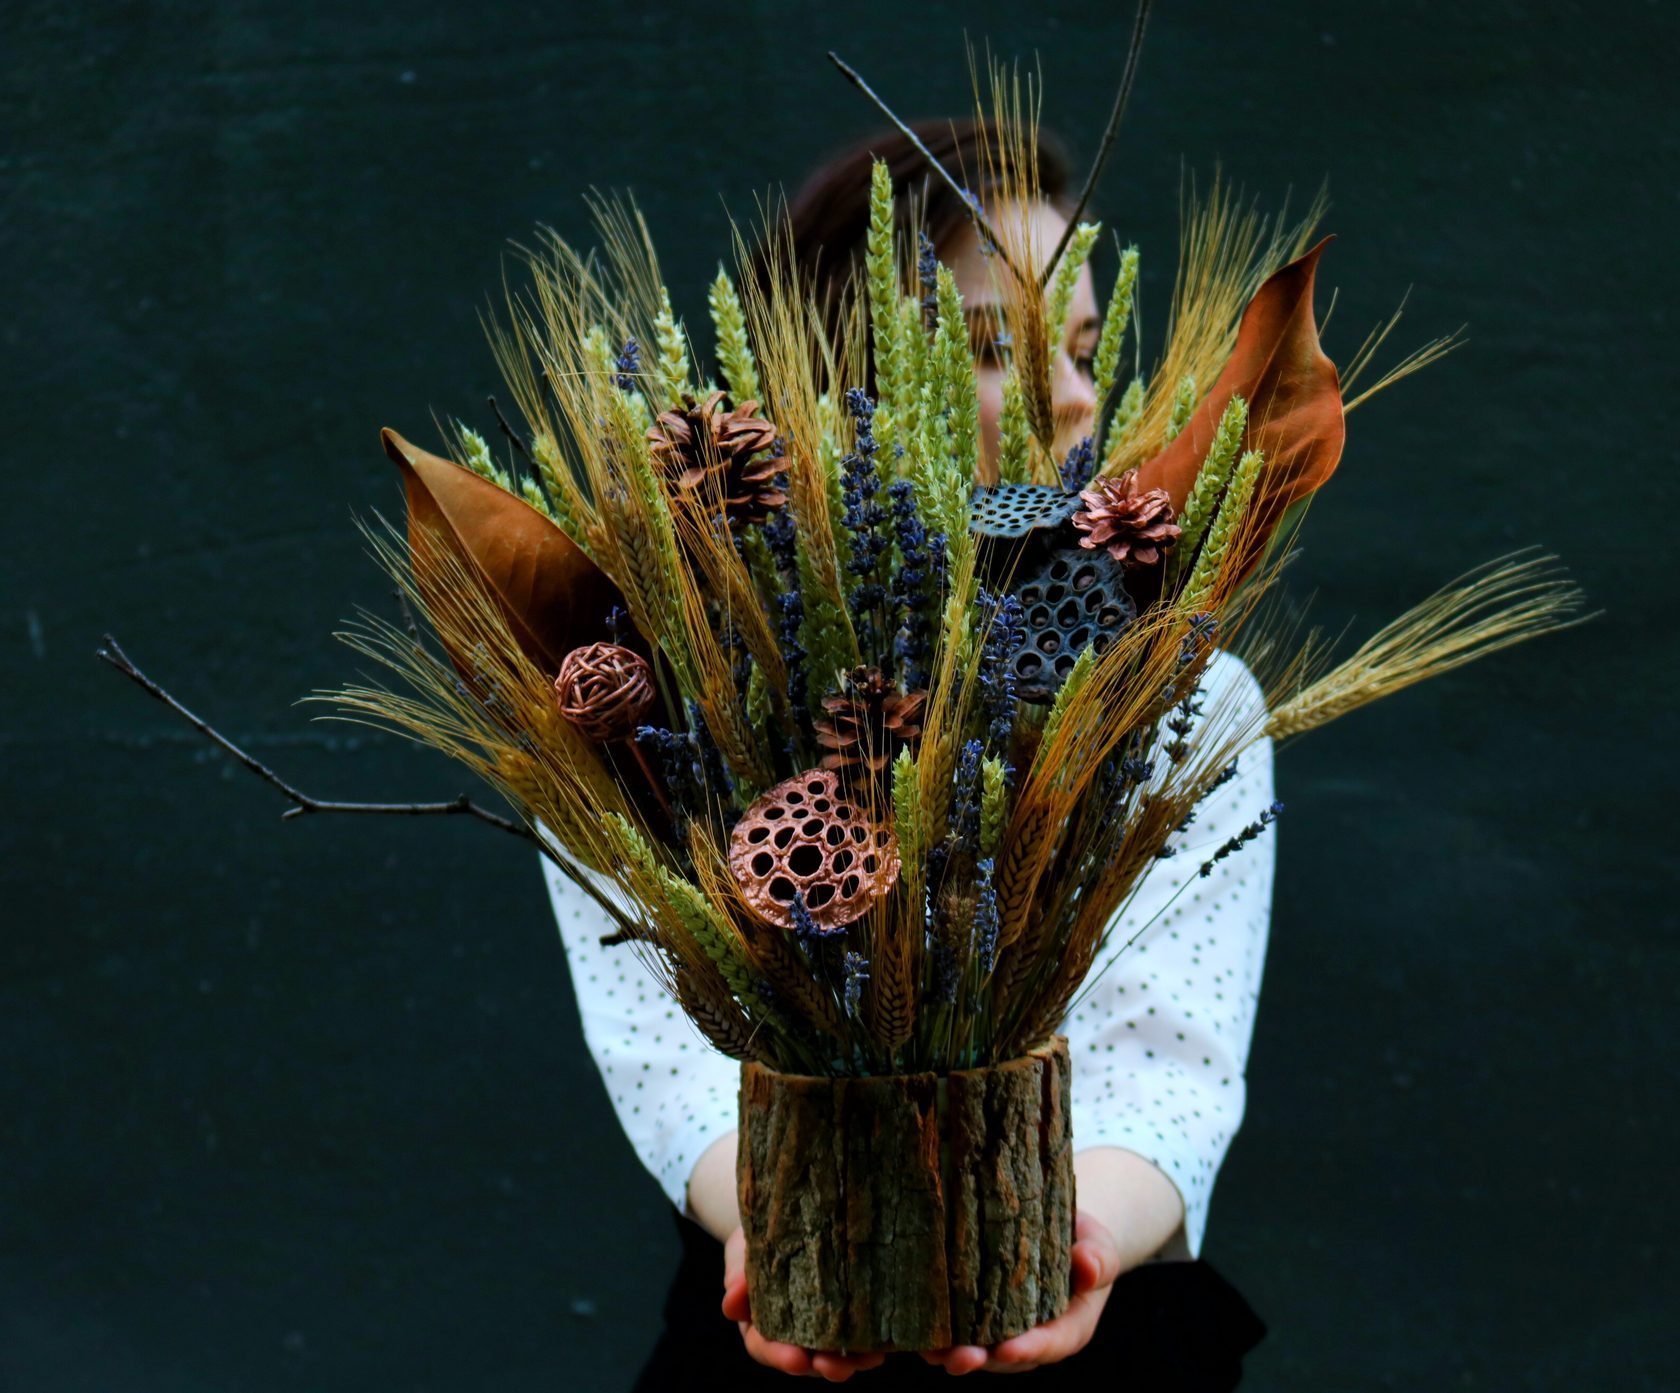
304,1105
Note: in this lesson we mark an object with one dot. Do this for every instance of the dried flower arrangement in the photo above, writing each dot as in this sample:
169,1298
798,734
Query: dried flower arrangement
877,753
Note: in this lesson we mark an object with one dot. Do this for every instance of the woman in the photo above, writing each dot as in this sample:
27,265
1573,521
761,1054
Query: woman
1159,1042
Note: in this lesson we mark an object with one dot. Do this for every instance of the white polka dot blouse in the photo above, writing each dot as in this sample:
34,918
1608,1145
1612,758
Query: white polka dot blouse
1159,1036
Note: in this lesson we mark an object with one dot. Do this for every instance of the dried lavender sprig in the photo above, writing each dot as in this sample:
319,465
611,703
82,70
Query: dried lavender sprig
1080,464
912,595
856,968
714,771
810,934
1222,778
674,755
965,803
942,989
793,651
1182,722
927,271
1267,817
1197,637
860,483
986,916
999,700
627,365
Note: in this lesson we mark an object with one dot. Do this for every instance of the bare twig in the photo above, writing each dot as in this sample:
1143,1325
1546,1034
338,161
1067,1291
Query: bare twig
302,803
113,654
968,200
513,435
630,933
1128,78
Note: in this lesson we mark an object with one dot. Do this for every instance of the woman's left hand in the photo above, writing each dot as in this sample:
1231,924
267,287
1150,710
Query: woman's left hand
774,1354
1097,1261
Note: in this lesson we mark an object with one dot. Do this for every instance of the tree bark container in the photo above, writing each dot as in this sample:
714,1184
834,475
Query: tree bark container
909,1211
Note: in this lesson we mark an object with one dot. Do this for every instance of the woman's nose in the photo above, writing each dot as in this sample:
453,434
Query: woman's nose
1073,398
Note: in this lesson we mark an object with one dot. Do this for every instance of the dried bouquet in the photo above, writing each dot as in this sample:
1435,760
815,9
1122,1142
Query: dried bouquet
878,752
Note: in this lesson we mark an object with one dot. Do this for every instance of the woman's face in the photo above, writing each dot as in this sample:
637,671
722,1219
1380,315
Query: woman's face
1072,392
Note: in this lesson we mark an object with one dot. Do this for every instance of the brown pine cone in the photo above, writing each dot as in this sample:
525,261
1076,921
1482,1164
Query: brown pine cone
711,453
1136,525
604,690
869,722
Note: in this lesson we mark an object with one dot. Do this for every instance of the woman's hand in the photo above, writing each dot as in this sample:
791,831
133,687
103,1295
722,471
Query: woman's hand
790,1359
1096,1263
1129,1212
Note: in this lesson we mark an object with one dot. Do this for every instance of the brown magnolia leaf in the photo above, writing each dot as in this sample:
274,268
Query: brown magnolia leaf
1294,401
554,597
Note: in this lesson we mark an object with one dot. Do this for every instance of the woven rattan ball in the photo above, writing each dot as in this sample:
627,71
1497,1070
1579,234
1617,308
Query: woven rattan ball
807,836
1071,599
604,690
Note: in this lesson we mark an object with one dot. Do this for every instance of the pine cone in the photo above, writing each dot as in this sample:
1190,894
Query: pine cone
1135,525
869,722
709,452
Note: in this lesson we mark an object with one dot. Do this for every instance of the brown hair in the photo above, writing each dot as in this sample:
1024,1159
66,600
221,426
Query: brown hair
828,219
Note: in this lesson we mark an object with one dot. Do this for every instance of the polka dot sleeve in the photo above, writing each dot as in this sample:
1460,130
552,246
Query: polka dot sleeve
1160,1041
673,1092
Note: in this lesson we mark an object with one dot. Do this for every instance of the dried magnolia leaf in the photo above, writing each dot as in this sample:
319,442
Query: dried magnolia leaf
1294,404
555,598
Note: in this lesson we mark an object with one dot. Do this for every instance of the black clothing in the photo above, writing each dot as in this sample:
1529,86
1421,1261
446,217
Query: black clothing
1168,1327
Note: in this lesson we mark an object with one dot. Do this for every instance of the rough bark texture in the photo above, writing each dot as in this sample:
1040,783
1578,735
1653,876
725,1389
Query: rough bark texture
910,1212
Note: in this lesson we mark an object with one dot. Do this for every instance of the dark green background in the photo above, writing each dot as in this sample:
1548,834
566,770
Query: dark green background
304,1105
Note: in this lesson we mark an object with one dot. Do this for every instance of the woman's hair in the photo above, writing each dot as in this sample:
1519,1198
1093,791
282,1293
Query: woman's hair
827,222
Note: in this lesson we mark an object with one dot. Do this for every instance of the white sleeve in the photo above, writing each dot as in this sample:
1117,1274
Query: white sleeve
1160,1041
673,1092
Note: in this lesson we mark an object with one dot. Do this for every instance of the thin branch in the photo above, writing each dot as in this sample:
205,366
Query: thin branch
513,435
971,203
1128,79
113,654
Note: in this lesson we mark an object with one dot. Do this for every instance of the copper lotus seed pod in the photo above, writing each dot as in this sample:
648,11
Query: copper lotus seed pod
806,836
604,690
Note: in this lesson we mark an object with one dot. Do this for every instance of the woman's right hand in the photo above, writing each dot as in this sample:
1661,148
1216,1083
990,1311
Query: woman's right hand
790,1359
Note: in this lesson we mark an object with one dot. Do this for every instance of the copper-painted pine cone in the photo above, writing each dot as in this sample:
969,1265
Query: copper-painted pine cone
702,447
1134,524
869,722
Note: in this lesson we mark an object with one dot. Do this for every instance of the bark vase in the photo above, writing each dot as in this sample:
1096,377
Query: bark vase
909,1211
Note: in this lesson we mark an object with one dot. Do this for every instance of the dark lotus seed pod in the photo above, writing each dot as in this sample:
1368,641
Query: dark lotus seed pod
1012,512
1069,599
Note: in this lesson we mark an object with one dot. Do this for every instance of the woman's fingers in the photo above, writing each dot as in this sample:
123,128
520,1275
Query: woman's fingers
958,1359
790,1359
1096,1253
735,1304
1055,1340
837,1368
1096,1263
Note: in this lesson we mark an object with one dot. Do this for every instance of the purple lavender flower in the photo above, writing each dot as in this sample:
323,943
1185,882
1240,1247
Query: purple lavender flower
628,364
1267,817
927,269
855,966
859,484
1081,463
965,804
986,916
999,701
